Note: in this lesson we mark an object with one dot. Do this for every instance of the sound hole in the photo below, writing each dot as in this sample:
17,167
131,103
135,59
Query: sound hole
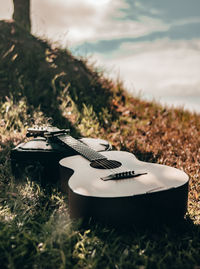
105,164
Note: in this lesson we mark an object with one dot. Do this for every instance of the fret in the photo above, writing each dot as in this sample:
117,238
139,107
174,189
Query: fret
81,148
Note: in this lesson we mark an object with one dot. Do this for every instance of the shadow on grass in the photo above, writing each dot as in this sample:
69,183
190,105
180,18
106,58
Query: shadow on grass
160,246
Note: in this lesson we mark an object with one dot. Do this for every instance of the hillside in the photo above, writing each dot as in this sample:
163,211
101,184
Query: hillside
39,81
31,67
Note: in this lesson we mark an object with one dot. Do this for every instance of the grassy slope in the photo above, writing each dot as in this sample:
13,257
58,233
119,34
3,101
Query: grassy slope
35,229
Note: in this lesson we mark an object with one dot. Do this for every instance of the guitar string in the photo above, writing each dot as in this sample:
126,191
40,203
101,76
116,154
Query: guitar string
115,170
108,164
74,143
83,150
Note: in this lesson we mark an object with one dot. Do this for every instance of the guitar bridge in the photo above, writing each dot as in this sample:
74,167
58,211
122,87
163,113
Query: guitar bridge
122,175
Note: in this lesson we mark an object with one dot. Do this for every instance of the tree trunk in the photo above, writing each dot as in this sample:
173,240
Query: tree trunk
21,13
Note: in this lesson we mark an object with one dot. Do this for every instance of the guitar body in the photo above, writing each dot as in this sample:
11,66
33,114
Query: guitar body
154,193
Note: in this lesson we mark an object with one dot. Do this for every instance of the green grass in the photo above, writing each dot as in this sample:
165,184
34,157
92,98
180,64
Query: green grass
35,228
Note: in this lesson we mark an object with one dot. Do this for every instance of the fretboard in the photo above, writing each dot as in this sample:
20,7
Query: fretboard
80,148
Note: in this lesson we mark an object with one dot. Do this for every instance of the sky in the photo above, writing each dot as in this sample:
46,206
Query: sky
153,46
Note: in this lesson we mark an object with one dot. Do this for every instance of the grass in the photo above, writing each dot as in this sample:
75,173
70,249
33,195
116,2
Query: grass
35,228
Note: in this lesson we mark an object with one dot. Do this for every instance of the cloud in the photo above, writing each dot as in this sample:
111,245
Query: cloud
6,9
80,21
168,11
160,68
180,30
165,70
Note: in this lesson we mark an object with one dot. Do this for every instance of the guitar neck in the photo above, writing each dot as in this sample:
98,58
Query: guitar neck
80,148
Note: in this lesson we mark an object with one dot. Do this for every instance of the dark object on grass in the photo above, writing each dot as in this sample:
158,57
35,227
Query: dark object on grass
38,158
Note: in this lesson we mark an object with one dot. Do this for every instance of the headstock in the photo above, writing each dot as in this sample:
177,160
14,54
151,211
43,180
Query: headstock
45,131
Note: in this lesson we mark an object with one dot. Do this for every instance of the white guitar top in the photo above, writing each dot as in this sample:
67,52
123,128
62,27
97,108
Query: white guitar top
87,180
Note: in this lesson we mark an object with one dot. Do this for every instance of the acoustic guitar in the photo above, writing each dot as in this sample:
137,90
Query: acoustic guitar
116,188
